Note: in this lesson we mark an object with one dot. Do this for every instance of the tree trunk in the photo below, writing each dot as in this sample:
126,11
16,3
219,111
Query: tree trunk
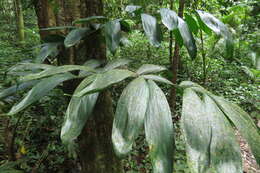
175,61
19,19
95,145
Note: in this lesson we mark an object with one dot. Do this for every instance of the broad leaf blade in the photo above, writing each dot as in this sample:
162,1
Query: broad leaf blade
187,38
28,66
150,68
116,63
47,50
157,79
196,131
40,90
56,70
219,28
75,36
224,149
12,90
105,80
152,29
192,23
78,112
113,35
129,117
243,123
159,130
169,18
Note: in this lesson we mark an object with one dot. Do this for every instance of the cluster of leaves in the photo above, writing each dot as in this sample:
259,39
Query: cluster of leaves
142,101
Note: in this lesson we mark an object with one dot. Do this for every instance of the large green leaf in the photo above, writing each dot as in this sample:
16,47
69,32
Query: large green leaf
219,28
129,117
187,38
90,19
243,123
157,79
113,35
169,18
76,35
210,140
152,29
47,50
18,87
159,130
150,68
192,23
116,63
92,63
39,90
104,80
56,70
224,149
28,66
196,131
78,112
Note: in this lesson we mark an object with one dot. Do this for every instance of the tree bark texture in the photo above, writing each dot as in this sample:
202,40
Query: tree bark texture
175,60
95,145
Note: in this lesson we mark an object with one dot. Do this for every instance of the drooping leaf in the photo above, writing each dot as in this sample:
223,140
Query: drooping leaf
243,123
150,68
159,130
129,117
104,80
18,87
224,149
157,79
89,19
78,112
219,28
187,38
28,66
47,50
113,35
192,23
210,140
197,131
93,63
39,90
178,37
152,29
169,18
56,70
76,35
116,63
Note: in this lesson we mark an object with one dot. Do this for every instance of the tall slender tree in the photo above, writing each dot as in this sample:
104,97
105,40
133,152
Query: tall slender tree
95,148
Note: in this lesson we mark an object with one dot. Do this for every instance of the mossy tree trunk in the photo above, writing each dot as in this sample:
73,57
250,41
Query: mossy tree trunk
95,146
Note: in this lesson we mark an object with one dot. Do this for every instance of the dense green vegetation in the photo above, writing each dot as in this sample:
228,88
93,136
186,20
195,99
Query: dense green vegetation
177,78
